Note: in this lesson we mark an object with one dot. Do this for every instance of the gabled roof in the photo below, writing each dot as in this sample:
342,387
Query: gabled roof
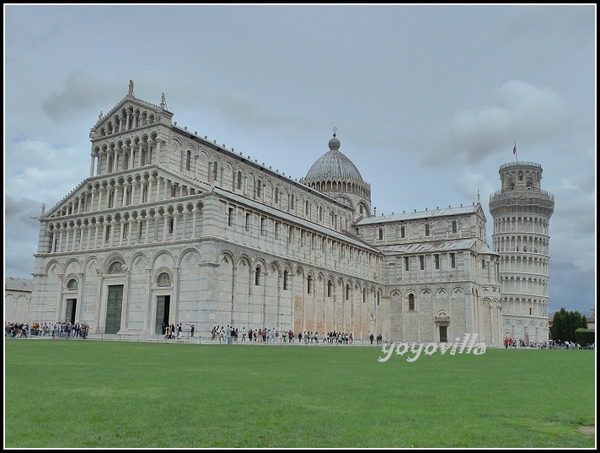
293,219
18,284
462,210
175,176
131,99
438,247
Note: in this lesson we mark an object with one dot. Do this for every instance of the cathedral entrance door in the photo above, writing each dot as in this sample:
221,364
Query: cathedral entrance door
113,309
71,306
163,305
443,334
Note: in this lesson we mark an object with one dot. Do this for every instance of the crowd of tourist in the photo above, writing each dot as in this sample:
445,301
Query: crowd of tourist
550,344
232,334
53,330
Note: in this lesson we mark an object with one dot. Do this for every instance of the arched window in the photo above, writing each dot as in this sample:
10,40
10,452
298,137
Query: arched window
115,268
188,158
164,279
285,279
411,302
454,226
258,188
309,284
347,292
239,180
329,288
402,232
380,234
257,276
72,284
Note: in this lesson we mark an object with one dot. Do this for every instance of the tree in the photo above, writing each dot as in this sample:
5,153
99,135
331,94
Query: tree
565,324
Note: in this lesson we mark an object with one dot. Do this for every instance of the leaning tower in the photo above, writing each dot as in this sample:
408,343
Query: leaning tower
521,211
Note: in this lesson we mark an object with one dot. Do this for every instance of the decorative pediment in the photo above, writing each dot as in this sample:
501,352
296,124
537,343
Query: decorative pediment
68,204
129,114
480,212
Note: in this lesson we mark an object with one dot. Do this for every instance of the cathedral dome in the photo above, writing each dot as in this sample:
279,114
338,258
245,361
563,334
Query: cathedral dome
333,165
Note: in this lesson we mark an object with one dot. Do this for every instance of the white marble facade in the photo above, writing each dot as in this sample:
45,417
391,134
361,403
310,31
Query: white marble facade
171,227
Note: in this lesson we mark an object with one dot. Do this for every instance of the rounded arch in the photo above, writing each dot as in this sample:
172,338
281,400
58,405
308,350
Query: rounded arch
71,282
139,262
243,260
162,277
72,266
113,262
165,256
299,271
274,266
91,265
441,313
189,259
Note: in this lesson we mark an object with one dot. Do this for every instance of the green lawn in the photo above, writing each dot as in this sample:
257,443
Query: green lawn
93,394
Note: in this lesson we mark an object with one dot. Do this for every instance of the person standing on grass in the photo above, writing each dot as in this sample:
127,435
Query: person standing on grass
192,328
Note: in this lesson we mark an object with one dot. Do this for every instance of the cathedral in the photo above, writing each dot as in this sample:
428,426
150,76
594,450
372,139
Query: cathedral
169,228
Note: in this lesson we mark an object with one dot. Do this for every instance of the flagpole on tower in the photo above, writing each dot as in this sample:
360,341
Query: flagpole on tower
515,153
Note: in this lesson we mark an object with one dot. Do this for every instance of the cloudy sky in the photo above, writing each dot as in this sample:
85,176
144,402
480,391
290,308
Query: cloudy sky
428,101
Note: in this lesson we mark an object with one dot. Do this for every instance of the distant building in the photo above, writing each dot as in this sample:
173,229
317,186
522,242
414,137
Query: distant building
172,227
591,321
17,299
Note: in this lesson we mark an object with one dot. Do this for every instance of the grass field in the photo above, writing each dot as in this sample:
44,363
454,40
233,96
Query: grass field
92,394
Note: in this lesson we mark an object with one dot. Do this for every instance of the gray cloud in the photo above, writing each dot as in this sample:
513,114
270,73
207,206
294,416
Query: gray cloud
428,101
526,112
